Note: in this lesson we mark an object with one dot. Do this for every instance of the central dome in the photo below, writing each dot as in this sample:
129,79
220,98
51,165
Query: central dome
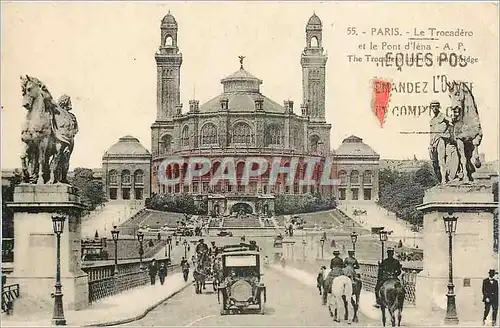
169,19
127,146
241,80
314,20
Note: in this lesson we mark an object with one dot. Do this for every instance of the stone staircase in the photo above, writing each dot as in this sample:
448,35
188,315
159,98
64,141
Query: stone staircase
242,222
113,213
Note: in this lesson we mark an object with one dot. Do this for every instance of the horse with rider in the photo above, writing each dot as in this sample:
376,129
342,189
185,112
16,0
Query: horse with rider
341,284
202,265
389,290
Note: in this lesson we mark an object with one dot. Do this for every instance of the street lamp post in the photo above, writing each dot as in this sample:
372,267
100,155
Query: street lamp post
185,243
304,249
322,242
114,234
140,238
383,238
58,315
169,245
354,239
450,226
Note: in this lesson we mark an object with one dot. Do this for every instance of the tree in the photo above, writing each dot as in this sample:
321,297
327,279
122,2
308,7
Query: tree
177,203
294,204
91,191
425,176
402,192
8,196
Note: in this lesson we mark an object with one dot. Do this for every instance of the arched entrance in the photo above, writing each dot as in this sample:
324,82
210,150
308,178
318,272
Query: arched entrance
265,209
242,207
216,211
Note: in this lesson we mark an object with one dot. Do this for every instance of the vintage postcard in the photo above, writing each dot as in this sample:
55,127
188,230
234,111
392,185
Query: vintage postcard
250,163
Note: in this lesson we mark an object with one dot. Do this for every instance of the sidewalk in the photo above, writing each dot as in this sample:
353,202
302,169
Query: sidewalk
122,308
411,315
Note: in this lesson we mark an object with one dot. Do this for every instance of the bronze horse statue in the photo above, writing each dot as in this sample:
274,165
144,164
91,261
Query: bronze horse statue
467,132
48,134
392,296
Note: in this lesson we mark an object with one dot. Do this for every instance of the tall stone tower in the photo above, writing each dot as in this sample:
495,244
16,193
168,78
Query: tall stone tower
313,62
168,95
168,64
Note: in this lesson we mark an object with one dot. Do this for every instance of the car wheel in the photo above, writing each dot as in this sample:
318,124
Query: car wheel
223,310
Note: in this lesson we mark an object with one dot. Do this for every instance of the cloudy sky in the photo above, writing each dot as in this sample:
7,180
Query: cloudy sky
102,55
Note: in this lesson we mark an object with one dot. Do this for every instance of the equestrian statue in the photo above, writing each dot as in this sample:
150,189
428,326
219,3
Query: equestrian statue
455,141
48,134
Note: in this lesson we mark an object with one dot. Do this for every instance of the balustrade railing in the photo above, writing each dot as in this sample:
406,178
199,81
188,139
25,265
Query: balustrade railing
7,249
369,272
103,282
9,294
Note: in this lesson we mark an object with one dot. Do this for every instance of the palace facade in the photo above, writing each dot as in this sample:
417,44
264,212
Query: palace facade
240,123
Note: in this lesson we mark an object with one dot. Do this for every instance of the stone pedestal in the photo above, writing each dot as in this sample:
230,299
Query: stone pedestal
472,247
35,243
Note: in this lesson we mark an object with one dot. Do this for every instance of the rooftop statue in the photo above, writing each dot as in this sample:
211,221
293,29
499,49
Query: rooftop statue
455,141
48,134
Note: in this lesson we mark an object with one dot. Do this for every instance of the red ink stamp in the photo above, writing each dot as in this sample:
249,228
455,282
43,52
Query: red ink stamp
380,98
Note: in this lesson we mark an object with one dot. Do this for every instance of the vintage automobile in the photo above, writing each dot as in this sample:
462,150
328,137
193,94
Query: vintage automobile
224,233
241,287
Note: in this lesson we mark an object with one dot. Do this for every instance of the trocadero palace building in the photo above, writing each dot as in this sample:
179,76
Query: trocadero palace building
240,122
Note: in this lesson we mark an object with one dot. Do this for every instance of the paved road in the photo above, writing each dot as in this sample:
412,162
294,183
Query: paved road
289,303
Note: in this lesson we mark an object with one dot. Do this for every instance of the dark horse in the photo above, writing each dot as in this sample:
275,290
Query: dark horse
199,275
392,296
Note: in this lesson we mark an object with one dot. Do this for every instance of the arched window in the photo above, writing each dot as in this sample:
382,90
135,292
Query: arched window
209,134
354,177
215,167
176,171
314,143
242,133
274,135
185,136
367,177
169,41
343,177
294,138
314,42
113,177
166,144
240,169
139,177
126,177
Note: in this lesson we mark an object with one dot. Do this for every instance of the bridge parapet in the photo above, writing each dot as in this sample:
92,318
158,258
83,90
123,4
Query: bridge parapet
103,282
368,272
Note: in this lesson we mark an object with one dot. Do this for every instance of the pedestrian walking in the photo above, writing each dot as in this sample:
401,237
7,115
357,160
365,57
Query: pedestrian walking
185,268
490,297
162,272
152,271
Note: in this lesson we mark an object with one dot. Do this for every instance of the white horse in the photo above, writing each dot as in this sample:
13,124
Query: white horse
341,292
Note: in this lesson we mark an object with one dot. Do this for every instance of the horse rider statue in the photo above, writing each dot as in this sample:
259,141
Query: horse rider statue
454,146
467,130
48,134
351,265
389,268
442,151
